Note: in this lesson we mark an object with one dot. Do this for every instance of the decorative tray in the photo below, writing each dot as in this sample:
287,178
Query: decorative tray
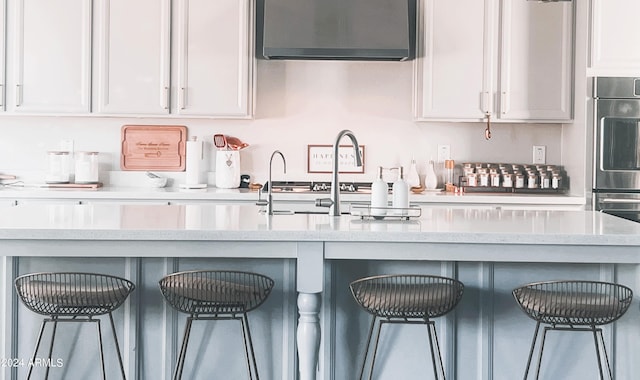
364,210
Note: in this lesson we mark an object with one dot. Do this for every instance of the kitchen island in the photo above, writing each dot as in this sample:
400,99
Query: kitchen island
313,258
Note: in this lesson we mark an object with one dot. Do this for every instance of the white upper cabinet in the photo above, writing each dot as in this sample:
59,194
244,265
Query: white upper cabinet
132,56
455,57
49,56
615,38
214,58
511,60
536,69
3,14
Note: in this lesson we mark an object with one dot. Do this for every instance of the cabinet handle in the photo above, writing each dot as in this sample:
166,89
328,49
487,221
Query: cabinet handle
487,131
1,95
504,103
18,95
183,97
165,98
486,102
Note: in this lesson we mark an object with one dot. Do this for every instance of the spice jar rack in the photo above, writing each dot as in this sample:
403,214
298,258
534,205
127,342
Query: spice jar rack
512,178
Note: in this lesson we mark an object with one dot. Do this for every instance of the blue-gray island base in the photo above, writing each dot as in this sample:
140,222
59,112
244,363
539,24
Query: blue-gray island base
310,327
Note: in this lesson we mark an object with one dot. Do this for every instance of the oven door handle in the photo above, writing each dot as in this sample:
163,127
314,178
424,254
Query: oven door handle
619,201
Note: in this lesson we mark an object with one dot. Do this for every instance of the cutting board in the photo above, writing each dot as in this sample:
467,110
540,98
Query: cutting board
153,147
73,185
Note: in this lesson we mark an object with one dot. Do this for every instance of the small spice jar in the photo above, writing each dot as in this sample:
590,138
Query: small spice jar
556,180
472,180
507,180
545,181
532,180
494,179
484,179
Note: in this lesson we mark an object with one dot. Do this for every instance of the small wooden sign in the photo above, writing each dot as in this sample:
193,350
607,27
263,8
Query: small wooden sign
320,159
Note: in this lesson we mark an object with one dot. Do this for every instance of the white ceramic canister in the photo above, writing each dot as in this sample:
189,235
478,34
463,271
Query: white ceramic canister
86,167
58,170
228,169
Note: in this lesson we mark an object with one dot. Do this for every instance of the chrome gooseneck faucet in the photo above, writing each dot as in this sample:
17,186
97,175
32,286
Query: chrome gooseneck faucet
269,196
334,202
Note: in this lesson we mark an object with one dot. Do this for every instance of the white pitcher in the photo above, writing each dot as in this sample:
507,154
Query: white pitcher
228,169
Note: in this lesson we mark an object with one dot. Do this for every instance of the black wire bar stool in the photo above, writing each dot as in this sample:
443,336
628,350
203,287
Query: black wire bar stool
409,299
573,306
216,295
73,297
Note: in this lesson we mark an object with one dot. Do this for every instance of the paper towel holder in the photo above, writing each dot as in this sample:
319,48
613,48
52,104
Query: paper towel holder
194,156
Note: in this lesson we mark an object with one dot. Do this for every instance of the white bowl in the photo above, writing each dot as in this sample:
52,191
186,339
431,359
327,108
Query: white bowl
157,182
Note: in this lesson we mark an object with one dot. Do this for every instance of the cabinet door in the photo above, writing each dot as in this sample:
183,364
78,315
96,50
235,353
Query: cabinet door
536,64
3,13
456,57
214,58
615,37
52,56
132,49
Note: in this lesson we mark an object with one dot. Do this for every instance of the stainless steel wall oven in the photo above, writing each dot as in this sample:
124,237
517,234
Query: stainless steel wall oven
616,162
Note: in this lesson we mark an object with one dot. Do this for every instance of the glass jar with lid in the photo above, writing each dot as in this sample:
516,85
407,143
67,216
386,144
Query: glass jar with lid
507,179
472,179
545,180
532,180
556,180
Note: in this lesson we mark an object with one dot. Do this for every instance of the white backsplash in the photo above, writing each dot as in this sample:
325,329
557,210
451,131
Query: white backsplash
298,103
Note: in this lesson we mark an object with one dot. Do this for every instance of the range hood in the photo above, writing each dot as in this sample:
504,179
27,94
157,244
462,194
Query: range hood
338,29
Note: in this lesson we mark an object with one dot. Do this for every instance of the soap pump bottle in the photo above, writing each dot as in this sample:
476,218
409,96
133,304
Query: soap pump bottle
400,191
379,196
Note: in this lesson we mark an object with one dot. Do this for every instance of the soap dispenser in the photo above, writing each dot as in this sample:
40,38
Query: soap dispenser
379,196
400,191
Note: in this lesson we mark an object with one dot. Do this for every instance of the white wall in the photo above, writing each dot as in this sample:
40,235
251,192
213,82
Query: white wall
300,103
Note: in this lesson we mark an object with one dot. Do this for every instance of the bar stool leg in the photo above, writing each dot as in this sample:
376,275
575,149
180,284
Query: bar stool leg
544,337
53,337
248,342
35,352
431,327
115,338
595,339
533,346
177,374
104,372
375,348
366,352
606,356
433,356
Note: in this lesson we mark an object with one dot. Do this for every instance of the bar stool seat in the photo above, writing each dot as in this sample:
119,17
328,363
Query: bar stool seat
410,299
573,306
216,295
73,297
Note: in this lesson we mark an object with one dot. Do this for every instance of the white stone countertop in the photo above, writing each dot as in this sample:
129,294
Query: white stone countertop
232,222
244,195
